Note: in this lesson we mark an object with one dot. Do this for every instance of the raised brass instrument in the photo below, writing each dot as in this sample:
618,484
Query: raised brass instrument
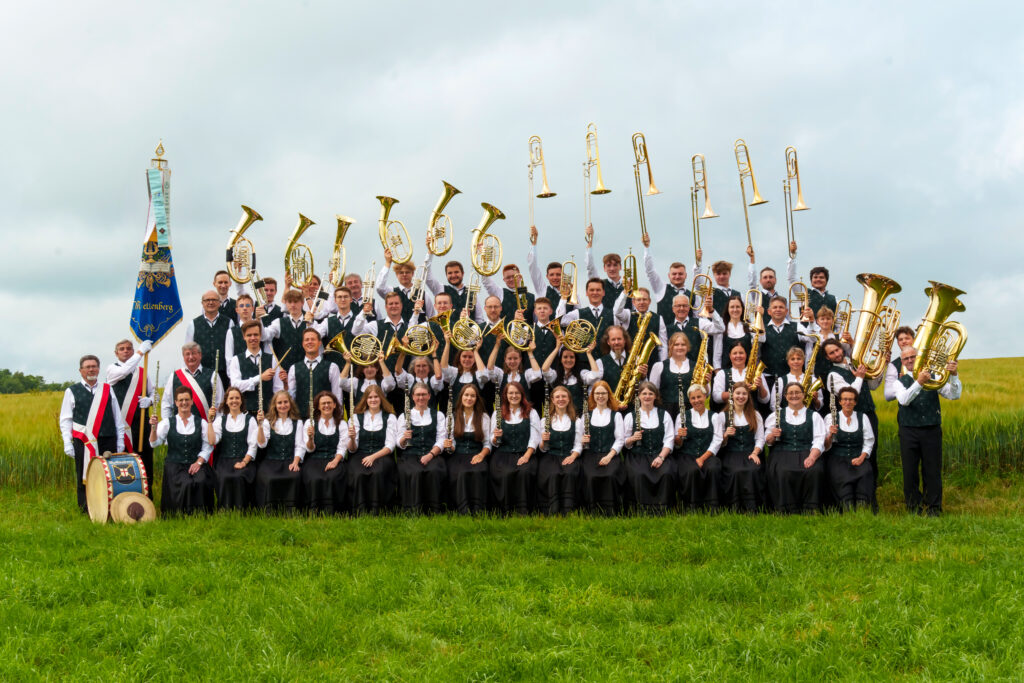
639,354
792,173
843,313
440,232
811,388
630,279
522,301
567,288
640,155
937,340
702,369
336,275
485,249
537,159
369,282
298,259
798,299
747,171
877,321
393,234
593,159
419,278
422,342
754,320
442,319
700,184
364,350
703,291
518,333
240,256
466,333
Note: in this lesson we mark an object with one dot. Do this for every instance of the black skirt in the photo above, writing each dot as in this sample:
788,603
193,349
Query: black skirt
742,486
513,486
234,486
557,484
851,485
467,483
792,487
648,489
601,485
277,488
422,488
326,490
185,493
372,489
698,485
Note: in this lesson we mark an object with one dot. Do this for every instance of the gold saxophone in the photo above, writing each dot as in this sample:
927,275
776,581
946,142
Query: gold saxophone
702,368
811,388
755,366
638,355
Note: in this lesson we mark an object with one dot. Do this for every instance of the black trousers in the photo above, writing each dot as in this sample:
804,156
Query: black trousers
873,456
921,447
105,443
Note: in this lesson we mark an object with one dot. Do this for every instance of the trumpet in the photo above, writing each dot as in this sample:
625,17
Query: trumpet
567,288
939,341
876,324
754,320
240,256
746,170
440,232
640,154
485,248
844,309
792,173
522,301
630,280
393,234
700,183
593,159
798,297
298,259
537,159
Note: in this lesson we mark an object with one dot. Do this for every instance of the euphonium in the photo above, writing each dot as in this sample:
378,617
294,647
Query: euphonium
702,369
700,183
298,259
365,348
811,388
630,279
937,340
638,355
876,324
240,257
567,288
641,159
440,232
746,171
792,173
336,276
485,249
537,159
593,159
393,234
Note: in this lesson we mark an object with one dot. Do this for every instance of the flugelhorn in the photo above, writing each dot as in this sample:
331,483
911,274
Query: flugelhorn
640,155
440,232
700,184
298,259
393,234
877,321
240,257
537,159
937,340
792,173
486,248
747,171
593,159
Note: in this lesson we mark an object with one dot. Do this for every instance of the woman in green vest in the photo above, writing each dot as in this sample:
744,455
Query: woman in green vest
739,443
795,360
796,473
848,443
234,434
323,473
422,472
466,448
602,474
372,437
650,469
737,332
699,471
188,478
365,376
672,376
562,368
468,370
278,477
560,445
515,433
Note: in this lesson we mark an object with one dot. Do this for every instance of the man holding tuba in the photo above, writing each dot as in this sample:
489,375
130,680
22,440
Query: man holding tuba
919,417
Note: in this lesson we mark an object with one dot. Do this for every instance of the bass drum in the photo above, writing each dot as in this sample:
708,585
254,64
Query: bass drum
108,477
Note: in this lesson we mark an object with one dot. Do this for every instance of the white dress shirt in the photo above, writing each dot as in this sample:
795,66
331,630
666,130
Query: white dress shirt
739,420
284,427
600,417
250,384
672,366
306,365
649,420
849,425
516,417
357,326
718,387
951,390
229,339
235,425
798,418
449,374
374,423
562,423
526,378
327,427
421,419
67,408
184,427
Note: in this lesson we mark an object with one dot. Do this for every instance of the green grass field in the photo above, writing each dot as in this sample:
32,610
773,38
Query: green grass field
684,597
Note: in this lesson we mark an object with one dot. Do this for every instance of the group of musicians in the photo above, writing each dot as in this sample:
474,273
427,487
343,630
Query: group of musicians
268,411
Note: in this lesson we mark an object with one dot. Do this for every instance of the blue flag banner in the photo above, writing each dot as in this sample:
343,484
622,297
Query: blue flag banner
158,187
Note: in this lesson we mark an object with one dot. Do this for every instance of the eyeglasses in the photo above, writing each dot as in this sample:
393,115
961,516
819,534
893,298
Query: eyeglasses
211,301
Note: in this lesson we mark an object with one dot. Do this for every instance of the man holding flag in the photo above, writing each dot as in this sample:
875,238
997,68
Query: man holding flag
133,394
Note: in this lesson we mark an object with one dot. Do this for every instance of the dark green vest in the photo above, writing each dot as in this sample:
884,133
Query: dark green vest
545,341
289,338
515,438
816,300
371,442
691,328
423,437
653,326
865,402
458,301
385,332
249,369
796,437
664,308
233,445
611,293
612,371
560,444
325,446
740,442
321,382
672,382
204,378
120,389
554,296
652,440
729,342
923,411
509,305
720,299
775,347
849,444
212,338
698,438
601,322
601,438
334,328
83,404
468,443
184,448
282,446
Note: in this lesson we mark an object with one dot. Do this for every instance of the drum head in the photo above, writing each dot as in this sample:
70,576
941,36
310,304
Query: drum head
97,490
131,507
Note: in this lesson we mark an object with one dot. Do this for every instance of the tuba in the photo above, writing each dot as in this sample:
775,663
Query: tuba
393,234
937,340
876,324
537,159
747,171
485,249
700,183
640,155
298,259
639,354
567,287
240,256
792,173
593,159
440,232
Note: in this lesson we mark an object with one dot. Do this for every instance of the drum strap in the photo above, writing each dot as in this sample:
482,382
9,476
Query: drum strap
87,433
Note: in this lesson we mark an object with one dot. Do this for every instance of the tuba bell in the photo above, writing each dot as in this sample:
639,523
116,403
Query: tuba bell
485,249
876,324
641,159
393,234
298,259
240,256
937,340
440,232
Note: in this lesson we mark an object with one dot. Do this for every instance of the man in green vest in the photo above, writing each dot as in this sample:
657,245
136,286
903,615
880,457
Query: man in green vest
920,423
212,331
313,374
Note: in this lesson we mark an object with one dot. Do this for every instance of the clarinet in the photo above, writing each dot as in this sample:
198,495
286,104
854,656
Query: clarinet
213,389
407,408
586,416
156,391
778,406
547,408
682,404
311,393
636,413
497,414
259,381
449,421
832,408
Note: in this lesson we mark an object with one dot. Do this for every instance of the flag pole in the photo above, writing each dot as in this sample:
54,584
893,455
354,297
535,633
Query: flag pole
144,417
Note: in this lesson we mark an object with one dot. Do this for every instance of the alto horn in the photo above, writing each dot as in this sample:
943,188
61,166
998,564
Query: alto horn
640,155
298,259
440,232
336,276
486,248
537,159
746,171
240,256
937,340
393,235
792,173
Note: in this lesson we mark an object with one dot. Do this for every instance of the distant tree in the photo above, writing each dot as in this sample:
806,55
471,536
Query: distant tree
20,383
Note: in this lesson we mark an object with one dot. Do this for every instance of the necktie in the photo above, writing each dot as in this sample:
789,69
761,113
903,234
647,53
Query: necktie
595,312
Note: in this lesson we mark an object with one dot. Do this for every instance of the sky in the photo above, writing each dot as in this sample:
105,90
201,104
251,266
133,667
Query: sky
908,119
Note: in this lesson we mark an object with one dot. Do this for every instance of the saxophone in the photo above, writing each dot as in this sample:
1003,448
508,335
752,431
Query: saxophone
638,355
701,368
811,388
755,366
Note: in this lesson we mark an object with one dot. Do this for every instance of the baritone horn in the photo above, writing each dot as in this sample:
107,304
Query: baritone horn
440,232
700,184
844,310
792,173
747,171
877,321
537,159
486,248
240,257
336,275
937,340
640,154
393,234
593,159
567,287
298,259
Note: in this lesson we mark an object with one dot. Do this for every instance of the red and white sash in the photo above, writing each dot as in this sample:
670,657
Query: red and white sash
87,433
198,397
129,406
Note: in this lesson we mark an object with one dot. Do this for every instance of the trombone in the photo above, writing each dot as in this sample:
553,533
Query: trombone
640,153
746,170
393,234
700,183
537,159
593,159
792,172
440,232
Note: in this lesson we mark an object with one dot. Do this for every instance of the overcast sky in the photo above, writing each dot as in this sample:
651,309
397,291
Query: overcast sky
908,118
